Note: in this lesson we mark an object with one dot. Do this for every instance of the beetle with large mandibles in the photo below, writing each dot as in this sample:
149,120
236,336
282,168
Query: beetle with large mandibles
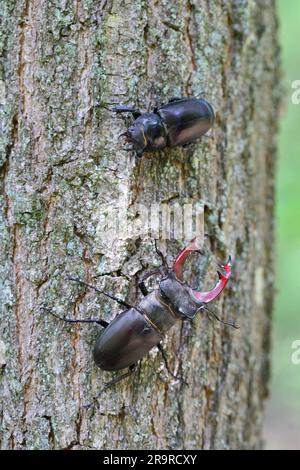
178,123
136,330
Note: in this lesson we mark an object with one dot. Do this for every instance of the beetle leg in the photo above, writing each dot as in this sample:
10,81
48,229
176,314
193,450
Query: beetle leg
75,320
165,359
143,288
142,285
120,301
174,98
161,255
127,109
157,104
131,370
114,381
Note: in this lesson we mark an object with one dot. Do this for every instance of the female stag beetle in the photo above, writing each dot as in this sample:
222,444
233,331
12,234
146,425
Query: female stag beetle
178,123
136,330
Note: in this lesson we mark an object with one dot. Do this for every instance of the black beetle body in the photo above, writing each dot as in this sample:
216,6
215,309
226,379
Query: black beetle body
178,123
125,341
136,330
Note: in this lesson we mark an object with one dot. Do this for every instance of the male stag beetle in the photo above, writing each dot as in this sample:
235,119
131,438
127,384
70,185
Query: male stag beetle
136,330
178,123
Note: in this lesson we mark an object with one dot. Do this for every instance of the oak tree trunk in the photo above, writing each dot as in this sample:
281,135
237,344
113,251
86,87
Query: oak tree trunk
64,64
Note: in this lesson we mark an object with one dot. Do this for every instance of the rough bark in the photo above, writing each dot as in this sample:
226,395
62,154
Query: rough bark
64,63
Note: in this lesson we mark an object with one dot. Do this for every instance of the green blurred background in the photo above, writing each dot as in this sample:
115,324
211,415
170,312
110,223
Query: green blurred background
282,429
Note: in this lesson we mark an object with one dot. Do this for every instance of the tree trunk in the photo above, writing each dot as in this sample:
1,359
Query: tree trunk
65,178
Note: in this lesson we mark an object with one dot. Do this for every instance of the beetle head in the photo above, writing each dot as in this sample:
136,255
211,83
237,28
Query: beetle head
135,137
178,295
185,301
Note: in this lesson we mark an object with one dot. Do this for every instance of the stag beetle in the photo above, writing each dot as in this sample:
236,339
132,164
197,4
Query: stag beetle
178,123
136,330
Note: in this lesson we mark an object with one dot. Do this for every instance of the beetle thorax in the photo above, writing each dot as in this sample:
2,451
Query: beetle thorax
153,130
179,296
157,311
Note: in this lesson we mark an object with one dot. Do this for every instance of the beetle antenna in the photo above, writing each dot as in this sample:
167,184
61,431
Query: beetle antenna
120,301
215,316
